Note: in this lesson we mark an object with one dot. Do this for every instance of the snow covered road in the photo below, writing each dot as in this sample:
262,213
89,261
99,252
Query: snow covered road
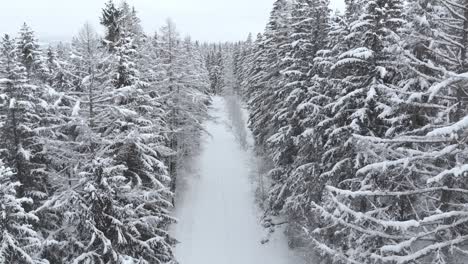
219,221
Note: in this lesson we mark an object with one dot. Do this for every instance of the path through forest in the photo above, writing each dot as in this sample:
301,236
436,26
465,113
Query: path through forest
219,221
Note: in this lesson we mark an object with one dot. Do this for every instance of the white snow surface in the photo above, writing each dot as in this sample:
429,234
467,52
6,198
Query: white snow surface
219,222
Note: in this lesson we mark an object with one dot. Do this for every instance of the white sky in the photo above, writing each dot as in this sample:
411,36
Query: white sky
205,20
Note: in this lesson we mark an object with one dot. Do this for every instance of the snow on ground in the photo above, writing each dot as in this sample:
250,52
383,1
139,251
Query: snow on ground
218,218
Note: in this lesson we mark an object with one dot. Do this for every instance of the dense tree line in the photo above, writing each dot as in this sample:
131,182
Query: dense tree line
364,116
92,134
215,56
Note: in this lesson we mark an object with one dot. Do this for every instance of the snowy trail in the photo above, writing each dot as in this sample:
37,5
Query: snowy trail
217,213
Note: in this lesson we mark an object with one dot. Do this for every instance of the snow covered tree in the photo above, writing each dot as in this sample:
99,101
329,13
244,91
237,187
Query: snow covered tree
131,22
309,22
120,22
368,141
184,87
242,59
28,51
50,66
362,102
111,17
397,205
262,94
215,67
19,242
296,111
114,188
20,110
197,73
125,50
253,68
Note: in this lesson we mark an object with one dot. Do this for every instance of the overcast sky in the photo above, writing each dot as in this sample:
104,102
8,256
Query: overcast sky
205,20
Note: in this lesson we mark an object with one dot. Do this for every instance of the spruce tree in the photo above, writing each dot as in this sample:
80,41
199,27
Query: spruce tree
294,152
28,51
19,242
110,19
21,113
